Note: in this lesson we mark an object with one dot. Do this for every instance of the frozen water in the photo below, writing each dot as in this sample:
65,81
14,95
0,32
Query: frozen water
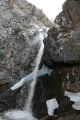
75,97
52,104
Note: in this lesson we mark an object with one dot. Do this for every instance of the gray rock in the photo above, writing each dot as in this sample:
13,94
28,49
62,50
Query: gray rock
17,51
19,45
63,41
62,52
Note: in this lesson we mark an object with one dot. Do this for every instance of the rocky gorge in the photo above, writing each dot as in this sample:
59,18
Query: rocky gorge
19,25
19,22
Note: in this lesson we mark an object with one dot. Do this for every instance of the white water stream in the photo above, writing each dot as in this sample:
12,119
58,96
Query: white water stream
26,113
32,87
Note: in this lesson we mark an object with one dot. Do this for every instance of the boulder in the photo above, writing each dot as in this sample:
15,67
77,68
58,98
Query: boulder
62,53
62,46
63,42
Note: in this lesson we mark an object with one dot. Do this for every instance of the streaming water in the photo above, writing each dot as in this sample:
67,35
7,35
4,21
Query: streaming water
26,113
32,87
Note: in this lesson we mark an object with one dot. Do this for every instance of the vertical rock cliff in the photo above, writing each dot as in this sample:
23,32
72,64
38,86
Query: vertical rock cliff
20,22
62,53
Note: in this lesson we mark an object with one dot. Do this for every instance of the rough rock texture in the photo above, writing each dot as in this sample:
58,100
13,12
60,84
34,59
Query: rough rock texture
17,51
62,46
8,99
19,24
64,37
62,53
63,117
49,87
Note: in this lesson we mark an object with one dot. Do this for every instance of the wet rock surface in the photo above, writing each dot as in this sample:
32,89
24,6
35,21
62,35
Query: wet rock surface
19,22
8,100
49,87
61,52
63,117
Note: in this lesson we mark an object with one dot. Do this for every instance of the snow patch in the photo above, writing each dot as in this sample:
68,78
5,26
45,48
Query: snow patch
52,104
76,105
75,97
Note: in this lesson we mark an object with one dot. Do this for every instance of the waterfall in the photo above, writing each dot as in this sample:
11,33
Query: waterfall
12,114
32,87
26,113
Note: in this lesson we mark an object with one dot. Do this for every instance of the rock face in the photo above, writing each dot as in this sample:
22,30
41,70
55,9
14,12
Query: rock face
47,87
64,37
19,25
62,53
62,46
17,47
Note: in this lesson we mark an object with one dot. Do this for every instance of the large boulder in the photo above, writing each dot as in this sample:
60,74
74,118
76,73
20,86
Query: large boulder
63,41
62,53
62,46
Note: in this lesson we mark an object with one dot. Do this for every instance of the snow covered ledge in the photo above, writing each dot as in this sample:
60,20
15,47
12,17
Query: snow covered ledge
43,71
75,97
